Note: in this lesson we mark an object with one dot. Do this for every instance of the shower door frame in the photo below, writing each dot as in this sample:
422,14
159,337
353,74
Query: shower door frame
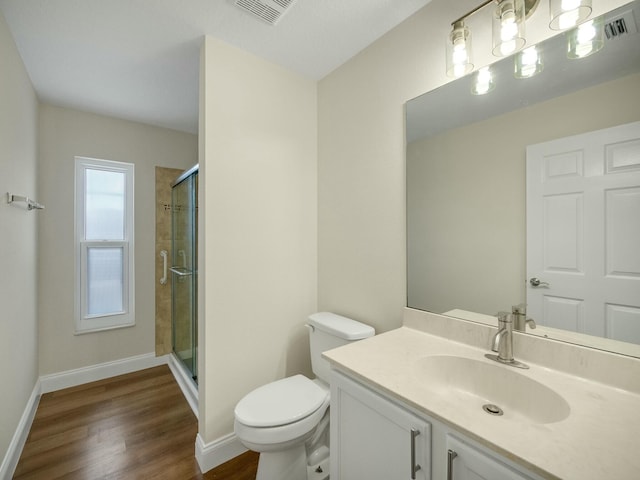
188,271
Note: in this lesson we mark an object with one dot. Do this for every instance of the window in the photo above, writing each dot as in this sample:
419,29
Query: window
104,245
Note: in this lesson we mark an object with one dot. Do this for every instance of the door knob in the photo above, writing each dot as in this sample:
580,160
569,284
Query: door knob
536,282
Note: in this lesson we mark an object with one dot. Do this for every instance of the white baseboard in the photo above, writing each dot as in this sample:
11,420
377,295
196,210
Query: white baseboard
210,455
79,376
12,455
185,382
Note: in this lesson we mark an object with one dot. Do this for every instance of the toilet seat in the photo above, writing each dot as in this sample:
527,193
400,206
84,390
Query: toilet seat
281,402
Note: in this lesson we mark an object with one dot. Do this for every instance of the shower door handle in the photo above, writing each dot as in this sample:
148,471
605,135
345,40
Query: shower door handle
181,271
163,280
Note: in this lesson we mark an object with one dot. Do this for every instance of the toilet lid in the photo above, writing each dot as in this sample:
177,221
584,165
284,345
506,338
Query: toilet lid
281,402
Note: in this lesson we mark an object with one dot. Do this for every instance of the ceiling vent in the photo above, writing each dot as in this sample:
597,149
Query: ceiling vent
620,25
270,11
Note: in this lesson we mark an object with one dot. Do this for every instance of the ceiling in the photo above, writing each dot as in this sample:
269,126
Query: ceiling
139,59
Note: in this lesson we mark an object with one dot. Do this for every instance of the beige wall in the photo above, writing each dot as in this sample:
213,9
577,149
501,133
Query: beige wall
64,134
478,198
361,171
258,227
164,179
18,232
361,220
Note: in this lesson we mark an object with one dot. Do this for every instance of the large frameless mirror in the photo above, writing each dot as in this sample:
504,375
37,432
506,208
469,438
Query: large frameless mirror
473,234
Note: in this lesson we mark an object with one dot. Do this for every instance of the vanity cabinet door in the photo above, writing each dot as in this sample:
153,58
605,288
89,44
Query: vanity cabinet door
465,462
373,438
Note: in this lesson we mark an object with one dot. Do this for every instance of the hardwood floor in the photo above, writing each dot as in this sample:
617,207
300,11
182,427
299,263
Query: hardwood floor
135,426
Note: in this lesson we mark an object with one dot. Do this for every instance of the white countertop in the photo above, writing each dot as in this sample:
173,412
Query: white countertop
600,439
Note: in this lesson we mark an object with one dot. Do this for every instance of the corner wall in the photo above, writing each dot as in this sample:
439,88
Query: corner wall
258,227
66,133
18,235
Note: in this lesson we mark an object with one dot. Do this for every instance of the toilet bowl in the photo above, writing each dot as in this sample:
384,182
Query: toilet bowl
281,413
286,420
277,419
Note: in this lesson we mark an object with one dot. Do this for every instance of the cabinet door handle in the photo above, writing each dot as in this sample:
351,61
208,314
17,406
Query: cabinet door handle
414,466
451,454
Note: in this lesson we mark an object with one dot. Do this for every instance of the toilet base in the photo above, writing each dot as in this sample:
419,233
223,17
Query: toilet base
319,471
290,464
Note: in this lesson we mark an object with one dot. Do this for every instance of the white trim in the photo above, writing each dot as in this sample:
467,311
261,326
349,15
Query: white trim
85,323
185,382
210,455
79,376
12,455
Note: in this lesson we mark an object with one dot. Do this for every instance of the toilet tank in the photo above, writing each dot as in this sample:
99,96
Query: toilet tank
328,330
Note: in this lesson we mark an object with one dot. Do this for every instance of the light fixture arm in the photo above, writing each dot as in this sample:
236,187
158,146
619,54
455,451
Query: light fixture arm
471,12
529,7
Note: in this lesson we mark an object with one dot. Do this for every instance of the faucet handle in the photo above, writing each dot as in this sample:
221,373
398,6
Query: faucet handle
531,322
503,317
520,309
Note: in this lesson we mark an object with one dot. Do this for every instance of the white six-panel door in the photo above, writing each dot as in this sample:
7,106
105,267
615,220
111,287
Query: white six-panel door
583,233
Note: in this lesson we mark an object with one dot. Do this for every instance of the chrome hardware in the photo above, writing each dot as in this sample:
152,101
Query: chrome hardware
414,466
31,204
536,282
520,320
451,455
181,271
503,342
503,339
163,280
492,409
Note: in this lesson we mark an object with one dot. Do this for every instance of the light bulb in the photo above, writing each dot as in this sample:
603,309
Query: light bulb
530,56
586,39
483,82
459,70
568,19
586,32
528,63
459,51
568,13
508,27
567,5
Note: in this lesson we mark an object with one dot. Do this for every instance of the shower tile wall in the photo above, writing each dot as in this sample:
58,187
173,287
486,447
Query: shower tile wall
164,178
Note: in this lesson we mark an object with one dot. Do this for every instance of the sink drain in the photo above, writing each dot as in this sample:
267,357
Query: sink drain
492,409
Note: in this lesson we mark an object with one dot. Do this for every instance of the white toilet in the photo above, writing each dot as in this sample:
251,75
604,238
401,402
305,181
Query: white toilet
287,420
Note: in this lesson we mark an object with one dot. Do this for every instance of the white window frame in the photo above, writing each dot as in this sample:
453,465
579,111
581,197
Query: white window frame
85,323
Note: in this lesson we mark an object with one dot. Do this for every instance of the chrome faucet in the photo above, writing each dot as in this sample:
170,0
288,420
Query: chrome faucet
503,342
520,320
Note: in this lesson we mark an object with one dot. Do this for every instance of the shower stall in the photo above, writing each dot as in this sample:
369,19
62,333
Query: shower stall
184,272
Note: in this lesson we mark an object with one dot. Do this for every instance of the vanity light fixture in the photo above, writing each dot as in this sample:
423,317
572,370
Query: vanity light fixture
459,50
528,63
483,82
508,33
586,39
567,14
508,27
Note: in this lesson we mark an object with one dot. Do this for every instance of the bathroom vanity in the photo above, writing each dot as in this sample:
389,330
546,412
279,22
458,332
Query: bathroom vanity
409,404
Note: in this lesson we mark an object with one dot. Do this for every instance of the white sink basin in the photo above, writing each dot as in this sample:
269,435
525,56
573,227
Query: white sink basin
479,382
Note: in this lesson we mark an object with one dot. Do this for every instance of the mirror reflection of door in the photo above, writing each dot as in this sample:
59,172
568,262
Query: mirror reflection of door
583,233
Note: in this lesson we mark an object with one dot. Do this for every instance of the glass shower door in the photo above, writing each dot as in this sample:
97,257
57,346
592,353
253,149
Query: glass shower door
184,303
